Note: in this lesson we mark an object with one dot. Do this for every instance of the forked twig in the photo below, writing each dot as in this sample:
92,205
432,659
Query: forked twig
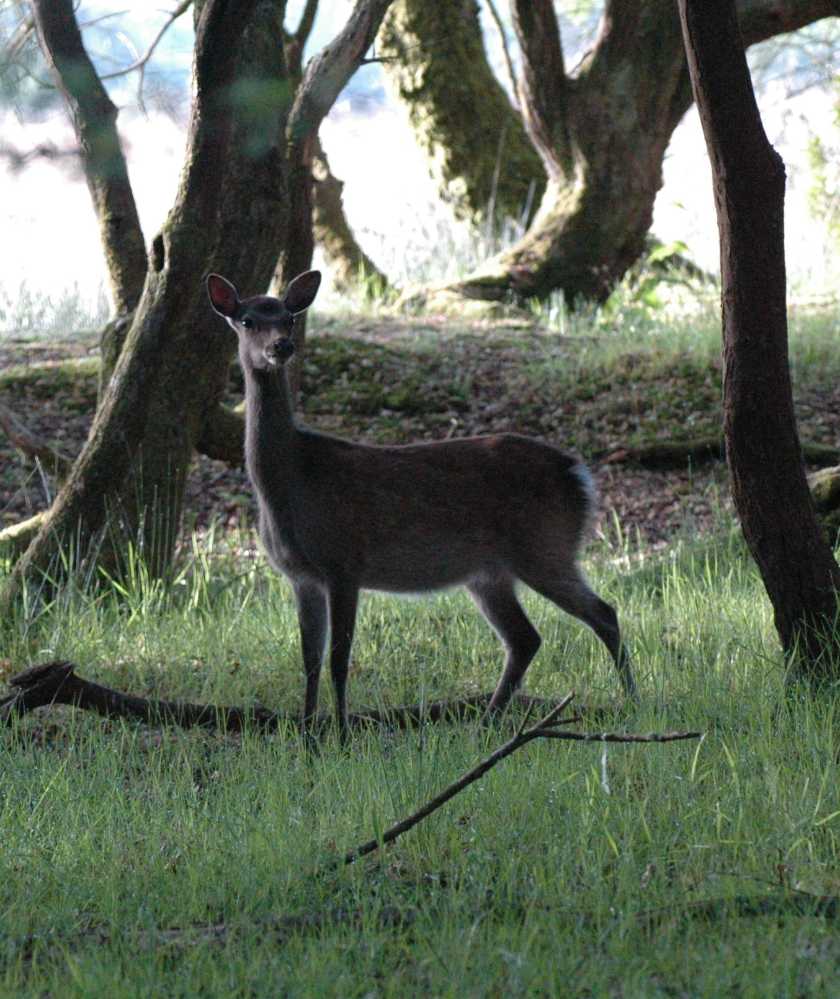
545,729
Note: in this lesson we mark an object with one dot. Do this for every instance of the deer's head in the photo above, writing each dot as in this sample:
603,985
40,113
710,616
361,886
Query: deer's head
262,323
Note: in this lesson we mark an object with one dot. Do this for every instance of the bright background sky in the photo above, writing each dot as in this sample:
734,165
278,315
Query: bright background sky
50,237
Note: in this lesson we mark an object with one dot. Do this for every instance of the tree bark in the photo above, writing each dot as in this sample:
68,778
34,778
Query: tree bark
602,133
769,486
331,228
478,152
94,118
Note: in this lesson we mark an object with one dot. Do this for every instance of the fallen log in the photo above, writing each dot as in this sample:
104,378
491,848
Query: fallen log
670,454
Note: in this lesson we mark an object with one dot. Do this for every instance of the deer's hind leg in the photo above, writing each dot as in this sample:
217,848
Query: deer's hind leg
496,599
569,590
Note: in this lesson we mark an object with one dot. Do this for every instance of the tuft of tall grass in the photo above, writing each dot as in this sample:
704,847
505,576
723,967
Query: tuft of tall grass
29,313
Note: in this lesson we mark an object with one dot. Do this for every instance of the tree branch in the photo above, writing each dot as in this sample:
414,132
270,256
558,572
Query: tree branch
542,90
94,120
546,729
329,71
759,20
511,72
57,683
306,22
348,261
698,451
140,63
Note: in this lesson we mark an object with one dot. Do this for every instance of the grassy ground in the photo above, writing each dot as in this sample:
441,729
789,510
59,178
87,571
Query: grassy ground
536,880
144,862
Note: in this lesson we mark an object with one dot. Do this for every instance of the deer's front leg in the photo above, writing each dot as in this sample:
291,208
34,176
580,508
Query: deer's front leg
343,598
312,618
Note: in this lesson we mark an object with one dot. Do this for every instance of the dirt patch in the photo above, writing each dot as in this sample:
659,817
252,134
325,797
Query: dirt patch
396,381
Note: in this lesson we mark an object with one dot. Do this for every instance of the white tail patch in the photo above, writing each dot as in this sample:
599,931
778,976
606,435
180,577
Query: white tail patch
590,490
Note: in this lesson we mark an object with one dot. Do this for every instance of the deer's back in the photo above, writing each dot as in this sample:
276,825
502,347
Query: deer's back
424,516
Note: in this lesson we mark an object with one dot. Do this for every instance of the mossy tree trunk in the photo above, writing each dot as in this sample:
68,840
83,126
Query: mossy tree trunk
601,133
769,485
825,492
231,214
476,145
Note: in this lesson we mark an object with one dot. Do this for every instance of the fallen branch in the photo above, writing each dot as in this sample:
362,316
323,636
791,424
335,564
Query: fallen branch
57,683
698,451
546,729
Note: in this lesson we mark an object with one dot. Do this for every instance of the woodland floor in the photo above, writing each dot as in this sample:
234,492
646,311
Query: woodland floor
387,380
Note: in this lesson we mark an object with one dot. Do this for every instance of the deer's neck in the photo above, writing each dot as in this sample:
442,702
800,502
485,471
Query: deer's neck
270,432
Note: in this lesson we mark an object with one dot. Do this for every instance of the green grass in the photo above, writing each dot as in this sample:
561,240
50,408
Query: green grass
533,880
530,882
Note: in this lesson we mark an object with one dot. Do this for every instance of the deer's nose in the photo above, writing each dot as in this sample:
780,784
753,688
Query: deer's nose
280,350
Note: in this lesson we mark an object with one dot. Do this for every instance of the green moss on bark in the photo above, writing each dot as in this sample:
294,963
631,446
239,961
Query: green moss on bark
474,140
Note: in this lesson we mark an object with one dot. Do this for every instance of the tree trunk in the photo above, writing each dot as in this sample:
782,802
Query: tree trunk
765,459
127,484
315,94
602,134
230,215
478,152
94,120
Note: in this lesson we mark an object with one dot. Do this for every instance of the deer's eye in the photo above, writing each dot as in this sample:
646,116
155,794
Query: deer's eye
247,323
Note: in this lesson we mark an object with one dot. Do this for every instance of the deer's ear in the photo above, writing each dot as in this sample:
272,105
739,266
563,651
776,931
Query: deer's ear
302,291
223,296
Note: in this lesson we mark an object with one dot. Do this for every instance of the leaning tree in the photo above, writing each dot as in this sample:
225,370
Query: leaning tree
769,486
601,129
243,195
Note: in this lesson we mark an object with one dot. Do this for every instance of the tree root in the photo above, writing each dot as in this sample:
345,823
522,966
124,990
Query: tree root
15,539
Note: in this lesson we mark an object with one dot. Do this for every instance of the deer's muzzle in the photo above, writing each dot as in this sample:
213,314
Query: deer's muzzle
279,351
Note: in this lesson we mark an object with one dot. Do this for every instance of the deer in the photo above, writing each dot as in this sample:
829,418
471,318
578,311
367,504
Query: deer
337,517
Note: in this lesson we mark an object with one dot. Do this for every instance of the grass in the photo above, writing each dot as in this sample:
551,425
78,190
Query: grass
530,882
32,313
141,862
